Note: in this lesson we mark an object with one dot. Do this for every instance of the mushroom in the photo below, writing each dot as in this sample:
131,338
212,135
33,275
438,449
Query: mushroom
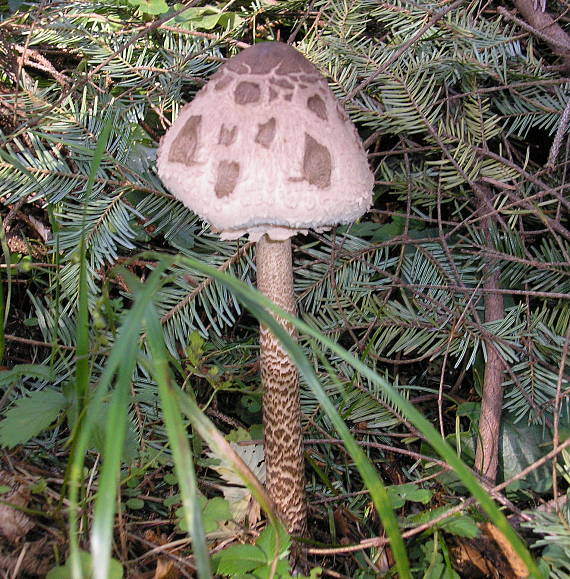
265,149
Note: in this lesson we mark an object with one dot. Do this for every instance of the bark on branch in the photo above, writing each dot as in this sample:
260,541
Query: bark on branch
487,453
543,25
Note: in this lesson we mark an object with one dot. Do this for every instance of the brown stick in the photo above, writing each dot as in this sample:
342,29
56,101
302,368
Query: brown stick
487,453
545,27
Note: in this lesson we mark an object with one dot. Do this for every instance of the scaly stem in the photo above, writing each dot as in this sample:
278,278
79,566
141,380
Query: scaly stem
281,405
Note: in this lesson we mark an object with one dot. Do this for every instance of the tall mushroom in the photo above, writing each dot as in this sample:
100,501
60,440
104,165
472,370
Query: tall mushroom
265,149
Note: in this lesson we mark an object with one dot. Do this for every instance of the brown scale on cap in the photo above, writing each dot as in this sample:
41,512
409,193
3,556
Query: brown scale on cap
182,151
266,133
269,57
227,136
282,83
247,93
317,105
222,82
269,152
227,177
317,163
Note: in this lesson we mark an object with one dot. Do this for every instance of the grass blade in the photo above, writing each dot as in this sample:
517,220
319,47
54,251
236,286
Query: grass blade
82,374
178,438
128,333
117,421
261,306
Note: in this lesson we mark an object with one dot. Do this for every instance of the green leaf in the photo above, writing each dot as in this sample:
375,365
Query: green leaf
206,18
172,501
29,416
101,431
521,445
241,559
399,494
213,511
135,504
440,571
238,434
281,571
39,371
217,509
471,410
170,478
251,403
462,526
150,6
266,541
375,231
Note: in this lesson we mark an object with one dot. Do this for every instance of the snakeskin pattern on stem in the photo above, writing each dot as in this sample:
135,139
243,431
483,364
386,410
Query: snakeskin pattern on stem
280,381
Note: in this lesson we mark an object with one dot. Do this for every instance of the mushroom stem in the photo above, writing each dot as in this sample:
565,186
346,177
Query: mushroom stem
283,438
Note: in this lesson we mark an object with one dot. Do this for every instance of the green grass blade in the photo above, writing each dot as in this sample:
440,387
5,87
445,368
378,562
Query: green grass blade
82,374
173,400
251,300
82,340
222,448
178,438
128,333
117,421
55,282
259,305
371,479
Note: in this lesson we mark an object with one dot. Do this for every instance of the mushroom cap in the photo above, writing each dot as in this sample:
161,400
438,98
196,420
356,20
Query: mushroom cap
265,147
